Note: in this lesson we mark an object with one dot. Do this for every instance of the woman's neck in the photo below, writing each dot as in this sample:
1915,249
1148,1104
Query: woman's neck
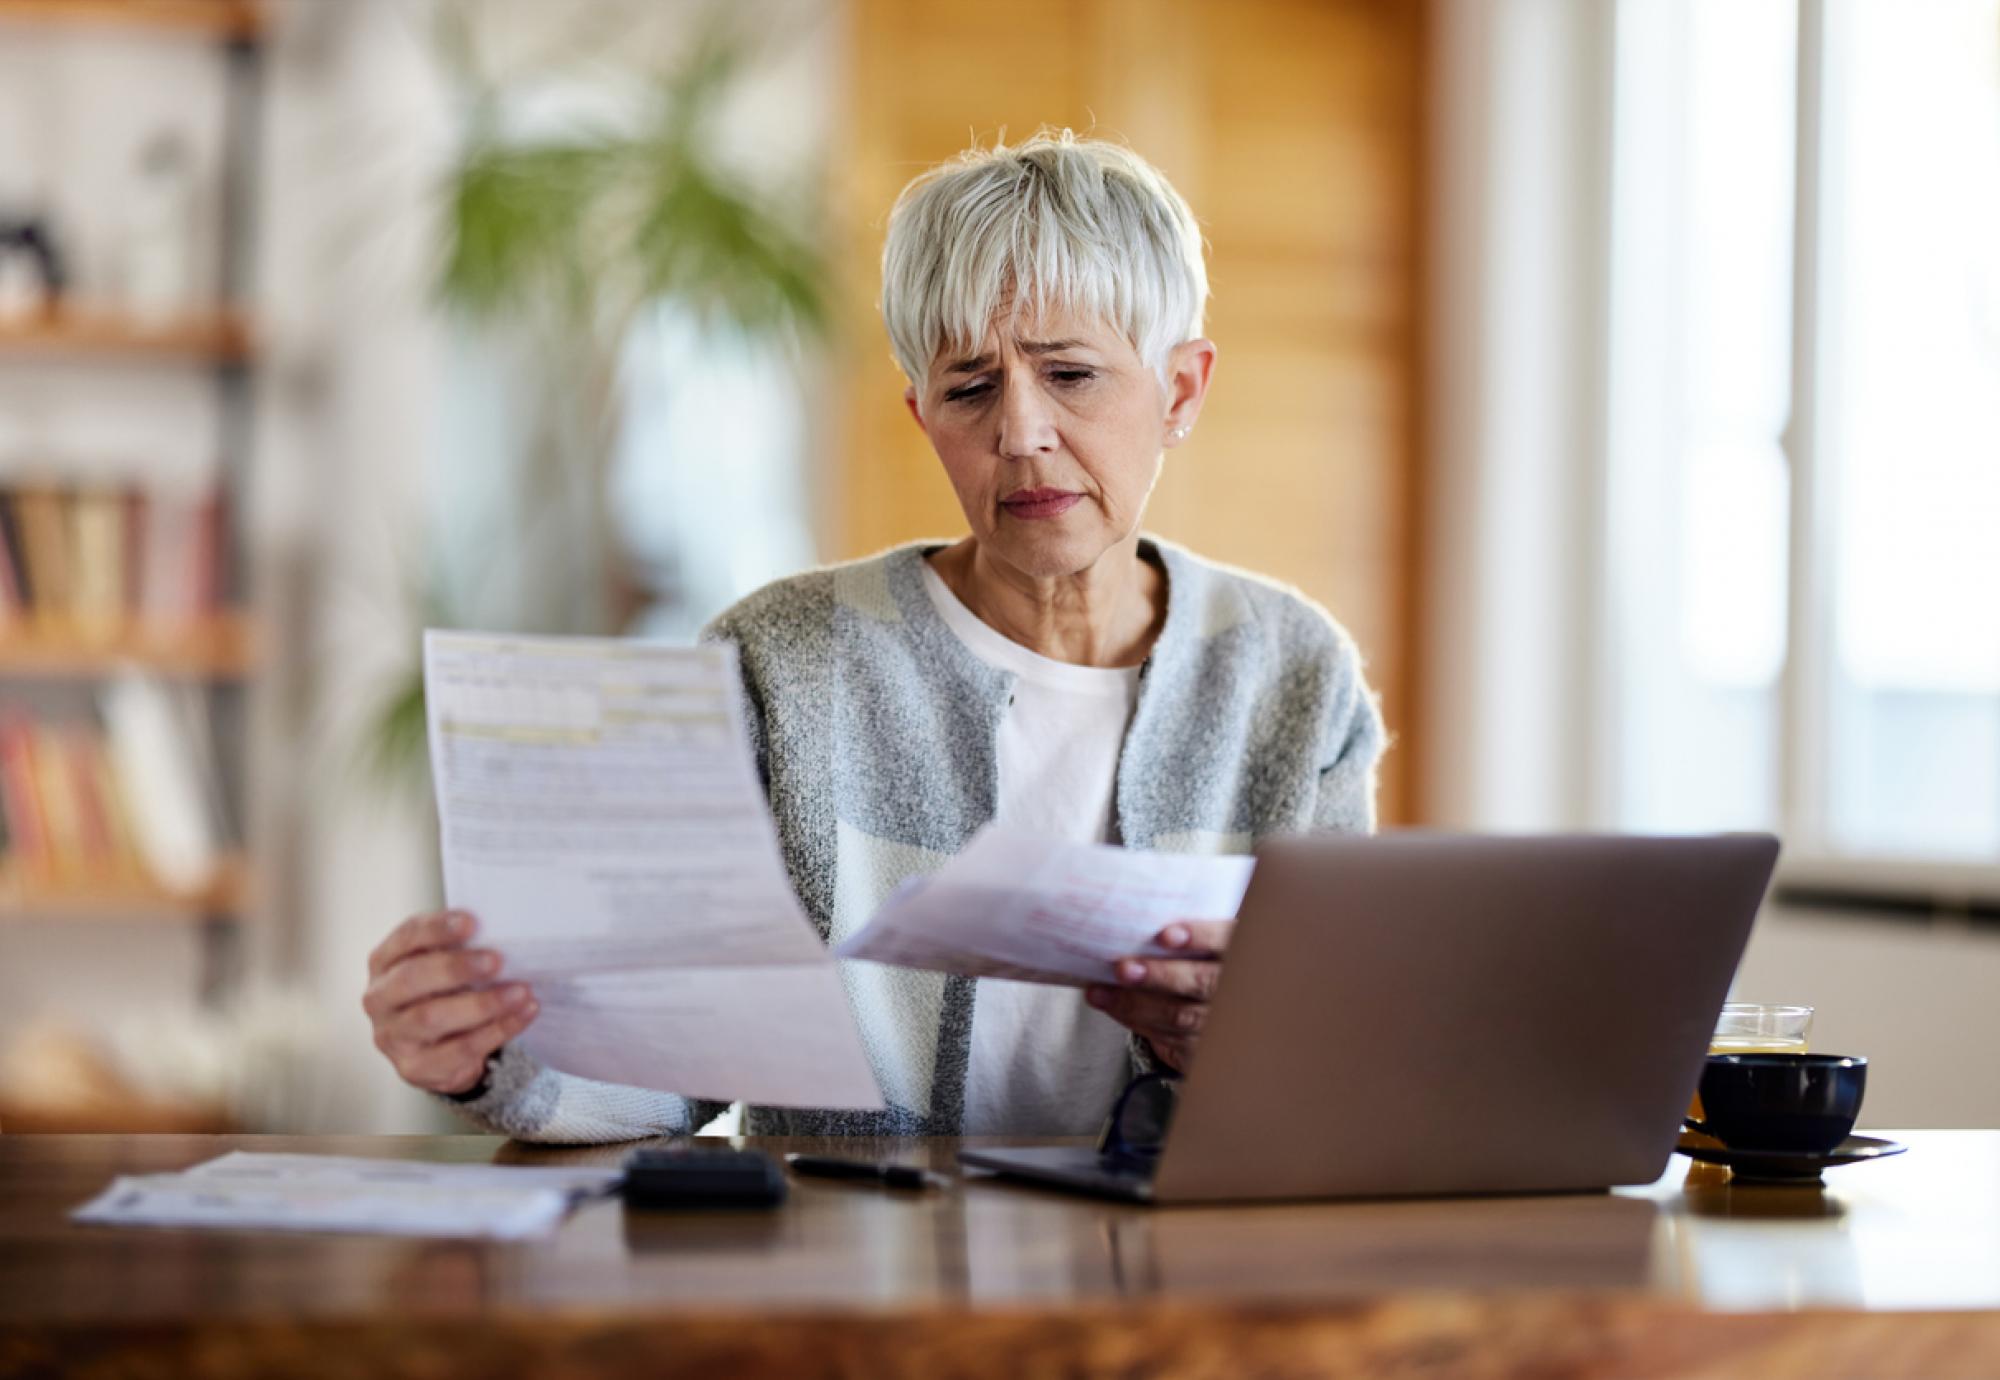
1107,615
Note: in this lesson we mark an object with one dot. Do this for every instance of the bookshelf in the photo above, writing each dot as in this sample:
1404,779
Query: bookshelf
104,1116
64,653
26,898
82,333
220,647
223,20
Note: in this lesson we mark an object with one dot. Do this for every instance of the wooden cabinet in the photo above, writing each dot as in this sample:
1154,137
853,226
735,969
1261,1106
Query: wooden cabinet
1293,128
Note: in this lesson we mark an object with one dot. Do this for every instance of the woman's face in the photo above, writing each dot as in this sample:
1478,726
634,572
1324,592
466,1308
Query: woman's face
1051,433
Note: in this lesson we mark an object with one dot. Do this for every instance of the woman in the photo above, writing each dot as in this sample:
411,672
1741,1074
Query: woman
1053,669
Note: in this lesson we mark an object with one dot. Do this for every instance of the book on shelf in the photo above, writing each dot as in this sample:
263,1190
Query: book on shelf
93,562
62,816
13,571
27,838
130,797
97,563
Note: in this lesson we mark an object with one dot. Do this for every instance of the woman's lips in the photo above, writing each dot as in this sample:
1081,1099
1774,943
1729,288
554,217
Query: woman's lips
1040,503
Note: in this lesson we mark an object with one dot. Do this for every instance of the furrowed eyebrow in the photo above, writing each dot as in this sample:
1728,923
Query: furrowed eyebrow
975,363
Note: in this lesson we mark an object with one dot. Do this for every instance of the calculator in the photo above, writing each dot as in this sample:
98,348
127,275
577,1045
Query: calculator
702,1177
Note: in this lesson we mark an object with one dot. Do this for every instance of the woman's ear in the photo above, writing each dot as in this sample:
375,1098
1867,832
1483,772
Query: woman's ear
916,413
1189,369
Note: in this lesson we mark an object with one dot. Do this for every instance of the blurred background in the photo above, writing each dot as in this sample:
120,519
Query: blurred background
1625,374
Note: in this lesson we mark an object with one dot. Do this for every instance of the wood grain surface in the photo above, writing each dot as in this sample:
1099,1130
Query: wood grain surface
1892,1271
1293,127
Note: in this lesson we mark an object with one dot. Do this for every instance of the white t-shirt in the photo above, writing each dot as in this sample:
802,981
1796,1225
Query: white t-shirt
1044,1062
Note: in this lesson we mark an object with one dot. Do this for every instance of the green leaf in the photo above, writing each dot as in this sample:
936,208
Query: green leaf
595,230
397,745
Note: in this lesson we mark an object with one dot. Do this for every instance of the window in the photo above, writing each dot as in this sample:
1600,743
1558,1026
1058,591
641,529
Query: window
1803,487
1909,363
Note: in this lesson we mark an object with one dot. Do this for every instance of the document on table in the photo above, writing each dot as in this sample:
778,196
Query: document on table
600,813
245,1166
338,1193
1013,905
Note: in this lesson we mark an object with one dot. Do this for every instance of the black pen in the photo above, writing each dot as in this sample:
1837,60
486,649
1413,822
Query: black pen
888,1175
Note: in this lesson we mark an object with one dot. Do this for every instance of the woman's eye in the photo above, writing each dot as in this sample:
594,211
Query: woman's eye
965,392
1072,375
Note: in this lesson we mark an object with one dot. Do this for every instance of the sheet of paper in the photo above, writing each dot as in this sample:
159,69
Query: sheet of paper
1017,906
256,1167
308,1204
600,813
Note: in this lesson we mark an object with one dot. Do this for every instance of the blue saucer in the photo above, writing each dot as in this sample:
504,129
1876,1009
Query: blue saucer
1789,1166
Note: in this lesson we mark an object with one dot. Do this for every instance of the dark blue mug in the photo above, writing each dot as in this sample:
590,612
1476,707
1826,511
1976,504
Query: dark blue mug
1797,1103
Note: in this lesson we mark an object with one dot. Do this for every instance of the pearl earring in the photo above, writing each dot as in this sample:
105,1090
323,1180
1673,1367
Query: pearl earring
1179,433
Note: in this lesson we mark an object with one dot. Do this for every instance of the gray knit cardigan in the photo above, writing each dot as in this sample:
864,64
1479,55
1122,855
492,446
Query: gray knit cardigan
875,729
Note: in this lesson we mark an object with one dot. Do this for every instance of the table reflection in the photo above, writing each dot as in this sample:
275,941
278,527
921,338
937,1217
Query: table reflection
1024,1243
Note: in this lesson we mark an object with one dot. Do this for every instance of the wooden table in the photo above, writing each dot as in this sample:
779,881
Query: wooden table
1894,1269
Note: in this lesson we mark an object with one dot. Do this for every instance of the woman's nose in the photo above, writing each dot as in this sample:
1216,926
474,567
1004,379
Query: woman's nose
1026,426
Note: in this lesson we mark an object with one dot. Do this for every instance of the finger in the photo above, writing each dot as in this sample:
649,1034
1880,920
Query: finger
458,1064
437,929
1150,1013
1191,978
455,1065
1196,936
432,974
445,1018
1176,1054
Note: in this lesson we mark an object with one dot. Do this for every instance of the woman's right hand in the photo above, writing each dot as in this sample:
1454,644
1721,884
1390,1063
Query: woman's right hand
435,1014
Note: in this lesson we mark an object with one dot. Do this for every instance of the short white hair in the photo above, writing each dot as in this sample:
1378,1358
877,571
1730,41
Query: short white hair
1058,222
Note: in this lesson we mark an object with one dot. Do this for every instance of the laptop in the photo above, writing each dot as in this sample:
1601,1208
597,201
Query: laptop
1424,1014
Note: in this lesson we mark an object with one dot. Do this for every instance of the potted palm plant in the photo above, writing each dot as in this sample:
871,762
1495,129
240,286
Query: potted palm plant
562,244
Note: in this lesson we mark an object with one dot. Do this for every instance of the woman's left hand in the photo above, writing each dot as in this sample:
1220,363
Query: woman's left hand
1166,999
